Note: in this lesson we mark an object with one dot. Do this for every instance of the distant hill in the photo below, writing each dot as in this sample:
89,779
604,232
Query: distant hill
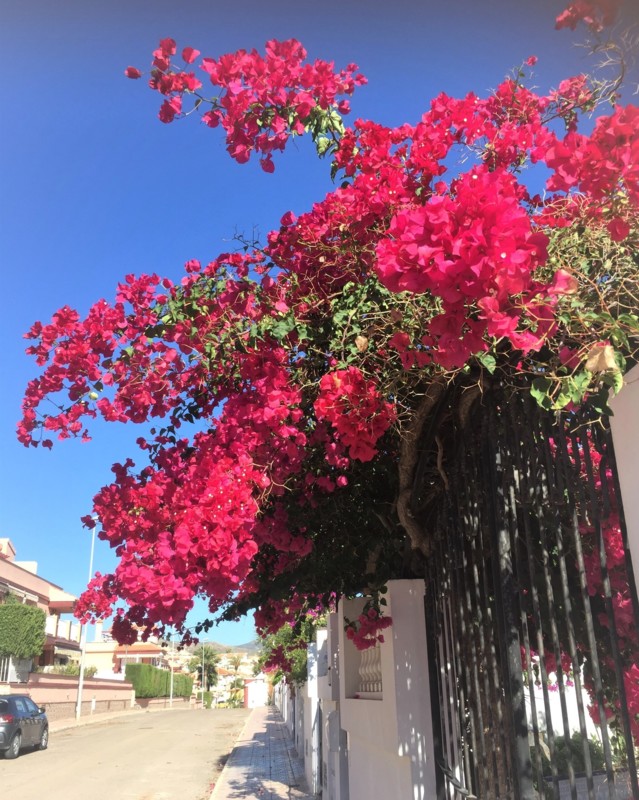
249,647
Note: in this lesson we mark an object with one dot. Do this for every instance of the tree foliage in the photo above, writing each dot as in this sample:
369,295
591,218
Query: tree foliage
284,652
22,629
209,655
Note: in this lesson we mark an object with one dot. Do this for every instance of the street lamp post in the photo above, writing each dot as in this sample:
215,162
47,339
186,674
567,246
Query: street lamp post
83,638
203,673
171,666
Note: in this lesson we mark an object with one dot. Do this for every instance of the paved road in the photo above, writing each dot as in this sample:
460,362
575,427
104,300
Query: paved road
161,755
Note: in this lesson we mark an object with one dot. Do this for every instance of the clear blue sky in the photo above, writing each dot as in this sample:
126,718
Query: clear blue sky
93,186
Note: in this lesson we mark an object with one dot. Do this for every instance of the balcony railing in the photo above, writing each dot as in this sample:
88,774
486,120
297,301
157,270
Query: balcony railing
370,673
63,629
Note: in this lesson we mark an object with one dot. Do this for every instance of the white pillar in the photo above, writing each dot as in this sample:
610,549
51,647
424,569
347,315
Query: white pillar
83,639
390,733
625,434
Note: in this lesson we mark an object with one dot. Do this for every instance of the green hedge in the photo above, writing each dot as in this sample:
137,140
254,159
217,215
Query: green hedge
21,629
149,681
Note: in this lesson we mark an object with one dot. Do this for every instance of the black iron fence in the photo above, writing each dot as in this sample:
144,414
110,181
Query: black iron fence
531,604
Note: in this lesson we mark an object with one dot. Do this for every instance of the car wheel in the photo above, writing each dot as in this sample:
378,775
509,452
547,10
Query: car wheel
14,747
44,740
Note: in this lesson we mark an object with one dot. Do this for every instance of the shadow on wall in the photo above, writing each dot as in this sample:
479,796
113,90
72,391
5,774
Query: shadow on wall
412,685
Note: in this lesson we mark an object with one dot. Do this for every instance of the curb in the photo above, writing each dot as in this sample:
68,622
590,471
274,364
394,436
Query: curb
68,724
228,764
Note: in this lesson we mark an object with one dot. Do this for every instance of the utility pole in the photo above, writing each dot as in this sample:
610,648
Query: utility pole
171,667
203,674
83,638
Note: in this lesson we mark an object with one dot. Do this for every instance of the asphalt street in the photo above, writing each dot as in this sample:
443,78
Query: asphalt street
160,755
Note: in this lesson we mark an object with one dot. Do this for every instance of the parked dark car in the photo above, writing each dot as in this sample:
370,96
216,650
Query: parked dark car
22,724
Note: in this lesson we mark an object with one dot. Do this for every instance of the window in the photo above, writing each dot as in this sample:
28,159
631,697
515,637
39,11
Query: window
32,708
20,705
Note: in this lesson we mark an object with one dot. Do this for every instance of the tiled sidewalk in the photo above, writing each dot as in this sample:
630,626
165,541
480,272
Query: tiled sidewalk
263,764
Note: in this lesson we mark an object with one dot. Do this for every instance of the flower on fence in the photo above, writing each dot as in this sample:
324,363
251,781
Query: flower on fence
366,630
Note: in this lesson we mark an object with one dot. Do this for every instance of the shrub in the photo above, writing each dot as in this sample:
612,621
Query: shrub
572,749
150,681
21,629
73,668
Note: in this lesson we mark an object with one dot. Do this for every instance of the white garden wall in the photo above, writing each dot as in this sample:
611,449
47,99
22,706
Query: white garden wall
312,723
390,740
625,435
334,752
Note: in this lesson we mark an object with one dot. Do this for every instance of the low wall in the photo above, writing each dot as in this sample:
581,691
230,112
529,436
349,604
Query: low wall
621,791
154,703
59,694
66,710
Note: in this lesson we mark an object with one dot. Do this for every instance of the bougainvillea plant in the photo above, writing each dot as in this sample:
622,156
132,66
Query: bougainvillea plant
283,654
285,382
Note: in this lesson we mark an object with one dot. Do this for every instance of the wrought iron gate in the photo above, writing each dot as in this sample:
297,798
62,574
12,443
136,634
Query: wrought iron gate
531,603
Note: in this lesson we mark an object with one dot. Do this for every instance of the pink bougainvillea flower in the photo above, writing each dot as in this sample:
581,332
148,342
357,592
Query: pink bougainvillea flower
596,14
189,54
563,283
618,229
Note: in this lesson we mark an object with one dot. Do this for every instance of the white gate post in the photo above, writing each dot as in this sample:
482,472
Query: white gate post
390,733
625,435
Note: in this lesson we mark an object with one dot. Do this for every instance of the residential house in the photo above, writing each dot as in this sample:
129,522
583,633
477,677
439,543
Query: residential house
21,579
110,658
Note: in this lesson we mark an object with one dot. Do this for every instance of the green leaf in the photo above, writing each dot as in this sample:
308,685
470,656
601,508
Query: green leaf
614,380
540,391
620,360
578,385
632,320
562,400
618,337
599,402
322,144
282,327
487,360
